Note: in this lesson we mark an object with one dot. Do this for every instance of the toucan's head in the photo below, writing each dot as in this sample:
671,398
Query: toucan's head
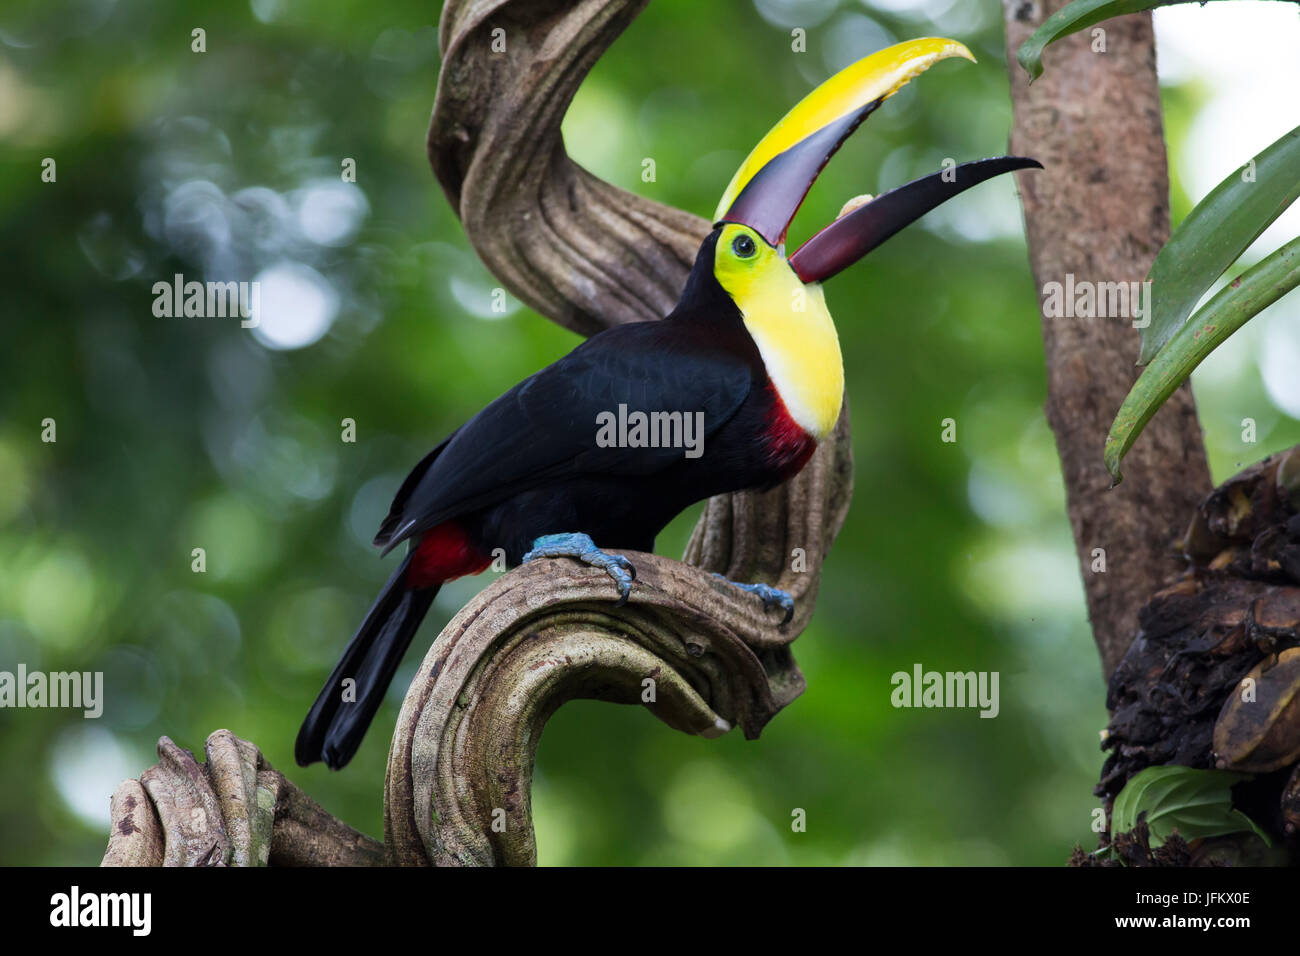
760,202
779,298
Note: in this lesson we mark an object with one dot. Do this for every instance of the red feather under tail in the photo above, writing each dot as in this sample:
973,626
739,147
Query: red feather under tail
444,554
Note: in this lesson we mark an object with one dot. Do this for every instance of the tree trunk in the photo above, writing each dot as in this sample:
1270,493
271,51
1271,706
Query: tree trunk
1099,211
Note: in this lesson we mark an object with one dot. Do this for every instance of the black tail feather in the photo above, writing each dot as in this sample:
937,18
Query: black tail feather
334,726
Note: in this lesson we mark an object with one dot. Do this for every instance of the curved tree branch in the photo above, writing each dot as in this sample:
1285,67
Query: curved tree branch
589,256
233,810
699,654
578,250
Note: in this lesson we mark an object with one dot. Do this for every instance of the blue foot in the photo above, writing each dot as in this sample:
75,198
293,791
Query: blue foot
772,597
580,546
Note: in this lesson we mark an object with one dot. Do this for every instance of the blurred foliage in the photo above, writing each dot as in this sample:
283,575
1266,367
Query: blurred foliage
178,433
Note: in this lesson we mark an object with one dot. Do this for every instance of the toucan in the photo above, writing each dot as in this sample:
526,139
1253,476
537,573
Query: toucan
599,451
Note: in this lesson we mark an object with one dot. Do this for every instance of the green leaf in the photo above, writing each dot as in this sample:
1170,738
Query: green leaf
1230,308
1215,234
1075,17
1196,803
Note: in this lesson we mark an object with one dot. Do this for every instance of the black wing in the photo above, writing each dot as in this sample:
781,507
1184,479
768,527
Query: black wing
545,427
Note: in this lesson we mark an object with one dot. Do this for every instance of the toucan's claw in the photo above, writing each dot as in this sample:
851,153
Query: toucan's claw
581,547
772,597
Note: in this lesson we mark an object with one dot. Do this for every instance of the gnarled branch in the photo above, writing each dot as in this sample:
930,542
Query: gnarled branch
589,256
699,654
577,249
233,810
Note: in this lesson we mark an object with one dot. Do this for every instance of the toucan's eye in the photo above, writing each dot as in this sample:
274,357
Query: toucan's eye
743,246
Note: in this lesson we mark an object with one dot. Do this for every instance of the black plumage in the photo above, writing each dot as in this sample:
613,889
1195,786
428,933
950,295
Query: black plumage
529,465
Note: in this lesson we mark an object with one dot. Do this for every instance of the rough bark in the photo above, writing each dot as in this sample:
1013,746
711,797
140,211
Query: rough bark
233,810
1212,679
1100,211
577,249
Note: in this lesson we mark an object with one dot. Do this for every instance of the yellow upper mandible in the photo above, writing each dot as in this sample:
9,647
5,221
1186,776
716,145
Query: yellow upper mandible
875,77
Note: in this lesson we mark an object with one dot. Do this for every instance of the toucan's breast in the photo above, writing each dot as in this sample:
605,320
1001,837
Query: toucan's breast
801,353
787,445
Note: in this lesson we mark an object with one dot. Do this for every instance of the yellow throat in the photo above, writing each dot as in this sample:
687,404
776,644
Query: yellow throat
790,324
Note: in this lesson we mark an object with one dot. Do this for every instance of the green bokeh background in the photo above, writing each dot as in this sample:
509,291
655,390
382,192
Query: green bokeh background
174,434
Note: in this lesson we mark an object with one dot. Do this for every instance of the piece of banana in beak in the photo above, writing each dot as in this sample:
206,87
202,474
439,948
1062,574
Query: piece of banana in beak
856,202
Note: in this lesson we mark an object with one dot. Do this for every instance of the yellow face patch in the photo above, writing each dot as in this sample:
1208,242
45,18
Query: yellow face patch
790,325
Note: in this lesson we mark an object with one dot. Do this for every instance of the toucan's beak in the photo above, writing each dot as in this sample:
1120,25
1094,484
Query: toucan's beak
771,184
853,235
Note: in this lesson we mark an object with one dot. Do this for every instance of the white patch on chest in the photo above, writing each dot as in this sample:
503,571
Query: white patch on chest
801,353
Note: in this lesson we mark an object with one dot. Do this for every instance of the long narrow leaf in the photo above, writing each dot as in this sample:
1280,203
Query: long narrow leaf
1215,234
1246,296
1073,18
